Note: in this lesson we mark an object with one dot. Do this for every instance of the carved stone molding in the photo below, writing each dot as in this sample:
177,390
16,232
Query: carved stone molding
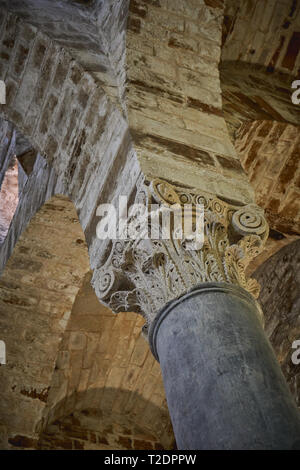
142,275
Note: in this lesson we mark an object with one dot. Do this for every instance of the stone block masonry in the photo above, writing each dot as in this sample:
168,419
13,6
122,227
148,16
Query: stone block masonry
174,98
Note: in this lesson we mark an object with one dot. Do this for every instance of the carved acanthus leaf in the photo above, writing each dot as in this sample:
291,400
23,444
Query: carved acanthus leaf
142,275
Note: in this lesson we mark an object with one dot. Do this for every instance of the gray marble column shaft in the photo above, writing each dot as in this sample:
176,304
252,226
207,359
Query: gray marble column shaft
224,386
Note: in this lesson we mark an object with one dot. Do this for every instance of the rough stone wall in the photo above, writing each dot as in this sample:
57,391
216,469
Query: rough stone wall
174,98
113,22
260,59
50,98
280,280
37,291
270,154
104,364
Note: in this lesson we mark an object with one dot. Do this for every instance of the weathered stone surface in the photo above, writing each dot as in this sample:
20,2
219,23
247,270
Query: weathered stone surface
174,97
251,93
7,147
84,137
107,368
147,271
93,429
37,288
89,32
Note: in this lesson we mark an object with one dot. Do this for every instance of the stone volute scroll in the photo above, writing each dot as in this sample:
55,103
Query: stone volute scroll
144,274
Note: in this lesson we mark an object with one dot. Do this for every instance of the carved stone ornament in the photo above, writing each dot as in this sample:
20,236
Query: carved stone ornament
142,275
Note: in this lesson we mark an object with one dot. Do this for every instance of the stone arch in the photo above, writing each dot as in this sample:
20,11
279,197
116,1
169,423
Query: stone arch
105,364
37,290
260,60
87,427
35,77
270,153
82,136
256,78
250,92
92,153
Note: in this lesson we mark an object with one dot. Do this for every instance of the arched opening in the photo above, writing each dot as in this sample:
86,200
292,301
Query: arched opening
94,428
17,162
250,92
8,177
9,198
107,381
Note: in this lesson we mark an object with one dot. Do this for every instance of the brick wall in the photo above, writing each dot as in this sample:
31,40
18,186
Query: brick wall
7,147
175,114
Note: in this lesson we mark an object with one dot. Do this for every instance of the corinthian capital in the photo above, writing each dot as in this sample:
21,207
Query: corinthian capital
143,274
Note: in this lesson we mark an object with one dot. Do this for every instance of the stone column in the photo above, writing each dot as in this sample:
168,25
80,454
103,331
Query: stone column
224,387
